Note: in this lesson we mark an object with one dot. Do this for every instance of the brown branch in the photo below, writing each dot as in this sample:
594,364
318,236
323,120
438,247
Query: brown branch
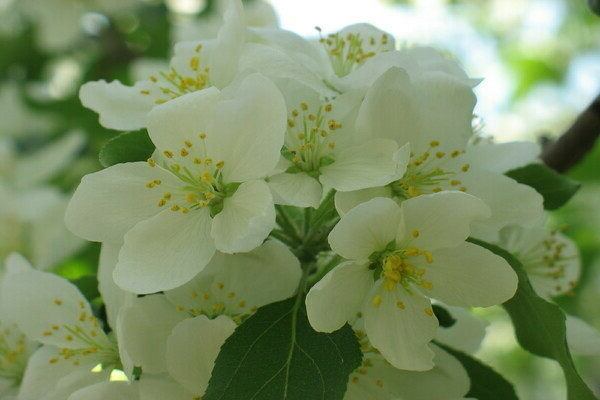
576,142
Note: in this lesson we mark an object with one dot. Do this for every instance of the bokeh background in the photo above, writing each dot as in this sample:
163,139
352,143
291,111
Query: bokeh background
539,60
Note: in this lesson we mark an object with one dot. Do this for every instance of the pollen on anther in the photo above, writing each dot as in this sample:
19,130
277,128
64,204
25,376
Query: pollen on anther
465,168
462,189
429,312
175,208
455,182
185,210
242,304
440,154
151,162
180,308
58,302
377,300
220,164
184,152
202,135
415,234
168,154
434,143
161,202
400,305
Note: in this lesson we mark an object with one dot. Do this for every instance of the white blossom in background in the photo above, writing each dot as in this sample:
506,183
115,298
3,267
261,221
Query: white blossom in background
58,22
17,119
202,191
399,257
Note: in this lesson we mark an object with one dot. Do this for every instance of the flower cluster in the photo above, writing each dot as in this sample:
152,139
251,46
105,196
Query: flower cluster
344,172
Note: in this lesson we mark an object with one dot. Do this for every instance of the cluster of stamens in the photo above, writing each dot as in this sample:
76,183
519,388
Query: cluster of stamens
87,338
201,176
173,84
218,301
424,174
369,352
347,52
309,136
13,352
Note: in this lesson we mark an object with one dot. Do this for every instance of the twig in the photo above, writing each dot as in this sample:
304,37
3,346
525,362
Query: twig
576,142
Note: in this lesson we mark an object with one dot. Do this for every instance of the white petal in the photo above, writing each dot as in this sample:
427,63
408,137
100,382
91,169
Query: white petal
120,107
230,41
367,228
583,339
107,390
110,202
183,119
41,302
447,380
466,334
143,329
246,220
298,190
164,251
193,347
161,387
470,276
114,297
249,130
401,334
345,201
367,165
441,219
501,157
44,164
511,203
338,296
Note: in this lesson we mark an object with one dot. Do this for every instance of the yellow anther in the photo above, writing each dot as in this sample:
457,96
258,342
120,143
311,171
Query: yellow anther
191,198
304,106
151,162
390,284
194,63
209,196
312,117
301,136
206,296
184,152
328,107
167,196
207,177
295,113
185,210
437,190
47,333
415,233
175,208
331,145
355,379
428,256
434,143
462,189
168,154
197,160
58,302
400,305
53,360
69,338
153,79
377,300
465,168
161,202
160,101
427,285
440,154
82,316
198,48
379,383
187,143
296,160
180,308
220,164
55,327
291,123
455,182
203,203
429,312
176,167
242,304
144,91
413,191
202,135
455,154
231,295
208,161
150,185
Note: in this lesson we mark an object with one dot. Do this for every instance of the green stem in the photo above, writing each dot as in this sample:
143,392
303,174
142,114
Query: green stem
284,221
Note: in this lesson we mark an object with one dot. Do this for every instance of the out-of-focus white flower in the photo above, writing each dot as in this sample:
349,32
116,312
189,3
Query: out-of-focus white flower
203,190
400,256
323,148
58,22
18,120
550,258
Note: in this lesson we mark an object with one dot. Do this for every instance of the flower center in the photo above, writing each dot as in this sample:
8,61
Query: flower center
14,353
309,141
348,52
202,179
425,175
173,84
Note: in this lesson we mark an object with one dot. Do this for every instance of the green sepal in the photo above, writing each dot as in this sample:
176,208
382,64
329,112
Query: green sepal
127,147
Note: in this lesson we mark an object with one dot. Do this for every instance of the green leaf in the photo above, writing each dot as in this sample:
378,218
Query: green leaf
486,384
556,189
540,326
594,6
276,355
88,286
127,147
444,317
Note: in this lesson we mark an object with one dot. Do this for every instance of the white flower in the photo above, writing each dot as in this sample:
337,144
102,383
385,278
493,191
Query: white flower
18,120
202,191
431,112
186,326
550,258
323,148
399,257
195,66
